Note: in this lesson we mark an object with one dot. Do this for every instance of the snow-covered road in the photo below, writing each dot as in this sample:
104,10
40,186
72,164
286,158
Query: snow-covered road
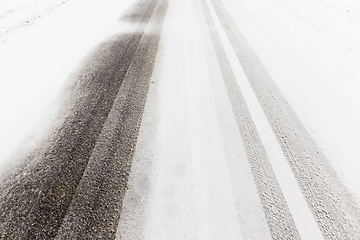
200,119
216,163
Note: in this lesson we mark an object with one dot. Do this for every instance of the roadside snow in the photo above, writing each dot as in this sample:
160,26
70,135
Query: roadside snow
37,59
21,13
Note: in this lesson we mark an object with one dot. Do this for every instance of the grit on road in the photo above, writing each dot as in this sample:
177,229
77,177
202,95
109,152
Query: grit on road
181,127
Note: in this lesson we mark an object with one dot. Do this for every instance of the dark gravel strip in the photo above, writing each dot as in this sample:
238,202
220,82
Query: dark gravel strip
35,201
96,207
277,213
335,209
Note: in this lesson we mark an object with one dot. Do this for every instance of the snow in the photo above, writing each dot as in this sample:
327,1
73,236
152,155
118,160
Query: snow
302,215
188,201
316,70
189,131
311,48
20,13
39,58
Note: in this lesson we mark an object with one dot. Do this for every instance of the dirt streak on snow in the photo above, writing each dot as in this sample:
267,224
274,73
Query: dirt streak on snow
20,14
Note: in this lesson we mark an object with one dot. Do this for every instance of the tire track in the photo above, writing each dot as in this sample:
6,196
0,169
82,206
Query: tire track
277,213
35,200
335,210
95,210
